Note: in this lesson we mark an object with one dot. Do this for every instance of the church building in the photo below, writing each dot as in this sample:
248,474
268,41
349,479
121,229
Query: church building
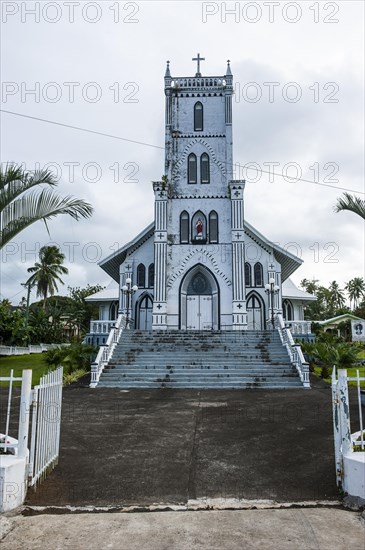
199,266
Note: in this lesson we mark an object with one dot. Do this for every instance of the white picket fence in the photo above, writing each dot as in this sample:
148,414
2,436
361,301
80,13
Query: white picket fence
40,407
20,350
346,438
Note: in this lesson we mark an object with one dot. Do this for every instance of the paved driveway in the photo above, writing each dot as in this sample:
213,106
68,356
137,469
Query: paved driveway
141,447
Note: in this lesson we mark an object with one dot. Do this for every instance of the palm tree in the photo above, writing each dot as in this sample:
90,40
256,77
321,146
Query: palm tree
310,286
356,290
351,203
21,205
46,272
336,298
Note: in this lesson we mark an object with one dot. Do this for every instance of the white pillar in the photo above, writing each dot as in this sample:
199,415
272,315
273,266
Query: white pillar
159,314
239,313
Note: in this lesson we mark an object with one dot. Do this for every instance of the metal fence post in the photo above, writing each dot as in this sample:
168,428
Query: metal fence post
24,413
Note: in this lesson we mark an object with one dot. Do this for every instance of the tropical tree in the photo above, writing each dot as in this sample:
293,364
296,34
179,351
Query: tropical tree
79,311
336,297
22,204
11,323
356,290
310,286
352,204
46,272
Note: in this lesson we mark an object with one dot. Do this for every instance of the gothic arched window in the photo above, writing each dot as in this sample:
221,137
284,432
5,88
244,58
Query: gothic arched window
184,227
192,168
198,117
113,311
248,276
151,275
141,276
204,169
258,275
287,310
213,227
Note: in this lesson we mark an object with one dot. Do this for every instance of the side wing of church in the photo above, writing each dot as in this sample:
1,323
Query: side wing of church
200,265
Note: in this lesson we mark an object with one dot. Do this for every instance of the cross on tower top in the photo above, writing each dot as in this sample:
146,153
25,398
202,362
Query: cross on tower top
198,59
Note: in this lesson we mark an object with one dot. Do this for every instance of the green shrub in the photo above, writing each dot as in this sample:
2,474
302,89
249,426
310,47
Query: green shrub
74,357
325,373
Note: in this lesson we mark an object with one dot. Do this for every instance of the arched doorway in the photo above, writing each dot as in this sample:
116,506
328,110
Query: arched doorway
144,308
199,300
255,312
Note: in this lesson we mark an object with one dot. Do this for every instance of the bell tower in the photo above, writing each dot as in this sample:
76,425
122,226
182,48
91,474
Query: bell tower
199,231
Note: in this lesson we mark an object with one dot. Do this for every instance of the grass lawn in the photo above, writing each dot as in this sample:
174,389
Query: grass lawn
20,362
351,372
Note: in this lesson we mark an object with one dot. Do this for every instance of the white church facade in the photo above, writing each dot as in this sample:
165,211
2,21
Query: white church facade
200,265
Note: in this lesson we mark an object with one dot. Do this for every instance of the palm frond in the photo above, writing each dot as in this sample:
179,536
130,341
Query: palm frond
35,206
15,182
352,204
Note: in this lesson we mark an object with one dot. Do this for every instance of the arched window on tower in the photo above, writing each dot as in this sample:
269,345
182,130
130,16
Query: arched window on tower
141,276
258,275
198,117
184,227
151,275
248,275
192,168
204,169
213,227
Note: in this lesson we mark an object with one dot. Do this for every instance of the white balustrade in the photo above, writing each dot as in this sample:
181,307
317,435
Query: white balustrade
101,326
294,350
299,327
106,350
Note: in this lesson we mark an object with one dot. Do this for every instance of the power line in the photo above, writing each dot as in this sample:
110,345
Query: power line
82,129
87,130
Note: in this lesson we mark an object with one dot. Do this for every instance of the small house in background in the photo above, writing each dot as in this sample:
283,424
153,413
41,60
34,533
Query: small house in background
344,325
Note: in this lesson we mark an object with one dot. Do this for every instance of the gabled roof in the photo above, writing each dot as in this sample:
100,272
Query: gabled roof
340,319
289,263
289,290
111,263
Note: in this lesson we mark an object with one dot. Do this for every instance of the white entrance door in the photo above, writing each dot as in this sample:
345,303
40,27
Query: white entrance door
199,310
254,314
145,314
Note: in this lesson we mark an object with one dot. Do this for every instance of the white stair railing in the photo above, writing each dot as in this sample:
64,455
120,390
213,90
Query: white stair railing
106,350
294,350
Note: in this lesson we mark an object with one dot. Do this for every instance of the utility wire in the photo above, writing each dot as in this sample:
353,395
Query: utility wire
80,129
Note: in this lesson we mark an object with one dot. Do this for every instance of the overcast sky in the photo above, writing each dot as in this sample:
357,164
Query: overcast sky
298,72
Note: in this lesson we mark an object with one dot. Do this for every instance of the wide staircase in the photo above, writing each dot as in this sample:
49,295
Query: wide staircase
199,359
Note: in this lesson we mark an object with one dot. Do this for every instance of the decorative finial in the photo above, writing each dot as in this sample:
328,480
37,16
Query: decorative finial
228,71
167,73
198,59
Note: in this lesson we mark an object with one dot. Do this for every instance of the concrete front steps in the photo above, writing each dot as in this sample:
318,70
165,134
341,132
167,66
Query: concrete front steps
200,359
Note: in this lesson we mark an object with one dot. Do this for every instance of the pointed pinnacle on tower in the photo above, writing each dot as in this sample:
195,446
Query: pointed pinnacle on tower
228,71
167,73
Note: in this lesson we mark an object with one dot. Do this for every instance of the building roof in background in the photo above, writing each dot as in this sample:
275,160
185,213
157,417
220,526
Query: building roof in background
340,319
290,291
110,293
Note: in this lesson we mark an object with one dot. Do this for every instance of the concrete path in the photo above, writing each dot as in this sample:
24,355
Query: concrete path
294,529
